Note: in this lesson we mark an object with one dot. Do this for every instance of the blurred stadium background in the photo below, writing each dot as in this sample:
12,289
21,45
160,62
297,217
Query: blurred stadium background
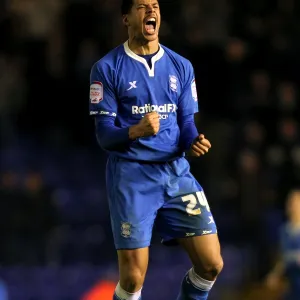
55,236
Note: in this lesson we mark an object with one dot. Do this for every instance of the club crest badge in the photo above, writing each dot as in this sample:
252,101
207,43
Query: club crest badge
173,83
126,229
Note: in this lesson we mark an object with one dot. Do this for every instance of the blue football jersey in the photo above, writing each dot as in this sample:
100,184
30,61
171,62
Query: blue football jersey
290,247
123,86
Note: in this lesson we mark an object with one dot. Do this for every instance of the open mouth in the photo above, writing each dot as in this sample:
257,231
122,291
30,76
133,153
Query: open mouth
150,26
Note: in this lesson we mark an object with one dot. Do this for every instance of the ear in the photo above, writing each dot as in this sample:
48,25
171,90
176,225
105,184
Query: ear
125,20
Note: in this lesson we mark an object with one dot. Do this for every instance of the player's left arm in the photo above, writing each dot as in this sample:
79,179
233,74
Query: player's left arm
190,140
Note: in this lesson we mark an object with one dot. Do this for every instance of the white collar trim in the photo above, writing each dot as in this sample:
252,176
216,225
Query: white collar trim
142,60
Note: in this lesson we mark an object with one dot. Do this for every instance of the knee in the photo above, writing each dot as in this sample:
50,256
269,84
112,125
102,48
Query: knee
211,269
133,280
132,268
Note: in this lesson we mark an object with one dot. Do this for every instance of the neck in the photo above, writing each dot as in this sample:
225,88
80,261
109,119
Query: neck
142,47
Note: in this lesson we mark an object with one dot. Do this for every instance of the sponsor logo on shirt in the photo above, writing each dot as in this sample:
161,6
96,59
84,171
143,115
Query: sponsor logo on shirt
162,110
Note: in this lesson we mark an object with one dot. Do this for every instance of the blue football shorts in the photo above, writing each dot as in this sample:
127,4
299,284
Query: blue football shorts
140,194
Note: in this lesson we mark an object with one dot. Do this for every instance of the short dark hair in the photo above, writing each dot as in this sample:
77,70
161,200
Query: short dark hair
126,6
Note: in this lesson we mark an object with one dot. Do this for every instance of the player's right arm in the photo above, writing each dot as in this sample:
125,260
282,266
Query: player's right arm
148,126
104,107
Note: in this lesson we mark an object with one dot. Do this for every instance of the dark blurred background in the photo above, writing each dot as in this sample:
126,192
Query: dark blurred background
55,236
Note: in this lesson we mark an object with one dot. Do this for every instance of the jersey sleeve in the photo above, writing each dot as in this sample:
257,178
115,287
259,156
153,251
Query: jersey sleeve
102,96
188,100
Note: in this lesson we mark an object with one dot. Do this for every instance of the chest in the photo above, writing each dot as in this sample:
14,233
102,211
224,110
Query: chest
140,85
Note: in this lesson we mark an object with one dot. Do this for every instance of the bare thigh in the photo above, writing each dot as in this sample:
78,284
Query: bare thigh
205,254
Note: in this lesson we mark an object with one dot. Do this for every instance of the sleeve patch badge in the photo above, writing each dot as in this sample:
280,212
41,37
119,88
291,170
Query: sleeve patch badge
96,92
194,90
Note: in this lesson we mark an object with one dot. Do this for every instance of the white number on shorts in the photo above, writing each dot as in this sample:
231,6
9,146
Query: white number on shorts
190,208
202,200
191,205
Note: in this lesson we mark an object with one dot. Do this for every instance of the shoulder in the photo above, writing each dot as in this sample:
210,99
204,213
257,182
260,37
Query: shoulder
111,59
183,66
107,67
177,58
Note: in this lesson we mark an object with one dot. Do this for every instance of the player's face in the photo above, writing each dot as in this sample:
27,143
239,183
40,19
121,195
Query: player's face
293,205
143,21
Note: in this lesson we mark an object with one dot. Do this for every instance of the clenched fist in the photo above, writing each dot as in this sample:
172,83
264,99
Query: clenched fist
148,126
200,146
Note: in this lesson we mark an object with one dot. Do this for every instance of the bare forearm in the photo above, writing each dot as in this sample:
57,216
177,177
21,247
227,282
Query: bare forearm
135,132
